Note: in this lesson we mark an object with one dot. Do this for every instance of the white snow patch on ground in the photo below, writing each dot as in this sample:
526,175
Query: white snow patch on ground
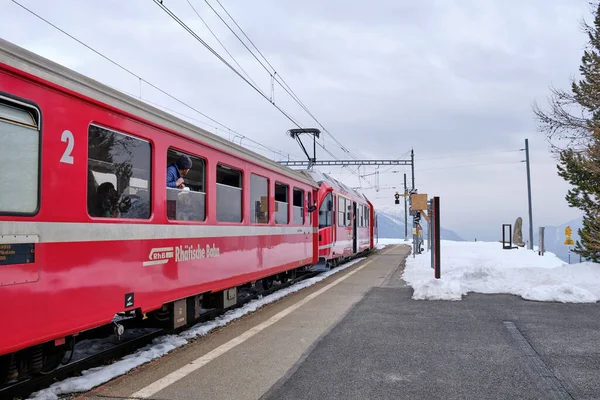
162,345
484,267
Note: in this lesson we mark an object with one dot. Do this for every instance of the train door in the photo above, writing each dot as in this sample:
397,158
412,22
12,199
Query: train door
354,229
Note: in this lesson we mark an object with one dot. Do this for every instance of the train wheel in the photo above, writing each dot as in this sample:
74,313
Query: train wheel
36,359
267,283
54,356
283,277
8,368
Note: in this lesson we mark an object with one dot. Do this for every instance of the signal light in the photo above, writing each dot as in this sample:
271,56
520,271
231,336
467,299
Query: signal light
397,196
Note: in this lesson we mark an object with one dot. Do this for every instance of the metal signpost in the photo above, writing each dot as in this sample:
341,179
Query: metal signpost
418,208
568,241
405,210
529,195
541,244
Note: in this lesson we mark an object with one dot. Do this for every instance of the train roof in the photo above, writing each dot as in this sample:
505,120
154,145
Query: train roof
338,186
34,64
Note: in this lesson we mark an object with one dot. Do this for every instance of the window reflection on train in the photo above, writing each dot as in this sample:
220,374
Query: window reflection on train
118,175
229,194
326,212
281,203
259,199
188,204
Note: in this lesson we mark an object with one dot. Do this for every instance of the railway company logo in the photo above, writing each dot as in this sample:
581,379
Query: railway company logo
162,255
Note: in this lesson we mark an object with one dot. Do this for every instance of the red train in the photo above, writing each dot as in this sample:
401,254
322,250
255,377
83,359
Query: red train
100,214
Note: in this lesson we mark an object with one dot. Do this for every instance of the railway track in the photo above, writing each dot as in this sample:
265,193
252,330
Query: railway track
25,387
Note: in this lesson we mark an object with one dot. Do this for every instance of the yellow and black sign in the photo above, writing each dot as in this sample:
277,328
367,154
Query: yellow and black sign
568,240
21,253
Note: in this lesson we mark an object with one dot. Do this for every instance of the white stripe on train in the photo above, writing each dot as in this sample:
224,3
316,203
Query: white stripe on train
63,232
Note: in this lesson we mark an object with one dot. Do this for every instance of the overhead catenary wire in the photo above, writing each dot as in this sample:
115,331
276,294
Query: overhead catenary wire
199,39
230,130
222,45
189,30
146,81
260,146
274,74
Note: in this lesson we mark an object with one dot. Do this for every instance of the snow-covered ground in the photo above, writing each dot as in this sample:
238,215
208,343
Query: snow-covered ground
484,267
162,345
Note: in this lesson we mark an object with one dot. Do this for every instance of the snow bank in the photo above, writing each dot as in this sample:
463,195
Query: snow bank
162,345
484,267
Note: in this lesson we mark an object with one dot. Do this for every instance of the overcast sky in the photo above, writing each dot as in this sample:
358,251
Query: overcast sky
452,79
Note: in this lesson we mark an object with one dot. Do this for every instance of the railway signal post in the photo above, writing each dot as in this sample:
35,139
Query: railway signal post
418,206
405,210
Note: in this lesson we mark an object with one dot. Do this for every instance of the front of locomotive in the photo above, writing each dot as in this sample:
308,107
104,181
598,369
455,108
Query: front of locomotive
326,232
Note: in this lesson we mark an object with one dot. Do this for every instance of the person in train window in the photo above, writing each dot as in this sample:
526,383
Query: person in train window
176,172
109,204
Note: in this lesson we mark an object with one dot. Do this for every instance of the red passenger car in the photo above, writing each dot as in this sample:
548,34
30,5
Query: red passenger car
89,228
345,221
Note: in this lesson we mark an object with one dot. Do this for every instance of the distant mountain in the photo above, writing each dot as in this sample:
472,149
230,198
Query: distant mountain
391,225
554,239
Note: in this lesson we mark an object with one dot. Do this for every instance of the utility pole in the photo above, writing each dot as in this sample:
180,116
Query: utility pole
529,194
405,210
412,167
414,224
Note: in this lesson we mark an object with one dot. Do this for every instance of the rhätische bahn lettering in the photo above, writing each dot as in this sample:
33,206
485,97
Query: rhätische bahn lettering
191,252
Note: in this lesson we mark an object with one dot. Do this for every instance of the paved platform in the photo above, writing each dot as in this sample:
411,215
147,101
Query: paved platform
484,347
358,335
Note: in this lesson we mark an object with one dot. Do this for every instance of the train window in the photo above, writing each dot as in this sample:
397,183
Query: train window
326,212
229,194
359,216
363,216
341,211
259,199
188,202
298,207
19,158
281,203
366,216
348,212
118,175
